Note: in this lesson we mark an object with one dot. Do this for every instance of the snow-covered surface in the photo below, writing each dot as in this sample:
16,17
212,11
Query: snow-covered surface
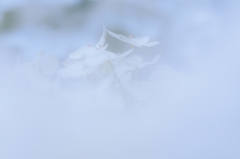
186,104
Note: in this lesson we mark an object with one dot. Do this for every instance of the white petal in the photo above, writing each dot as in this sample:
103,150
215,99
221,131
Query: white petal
150,44
113,34
103,48
75,70
96,52
103,38
113,56
143,40
96,60
130,41
125,39
82,50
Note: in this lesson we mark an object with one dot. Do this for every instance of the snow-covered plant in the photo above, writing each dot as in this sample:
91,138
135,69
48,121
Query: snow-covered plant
92,65
95,61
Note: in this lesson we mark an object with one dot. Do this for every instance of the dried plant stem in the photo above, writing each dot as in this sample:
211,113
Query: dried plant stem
123,92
